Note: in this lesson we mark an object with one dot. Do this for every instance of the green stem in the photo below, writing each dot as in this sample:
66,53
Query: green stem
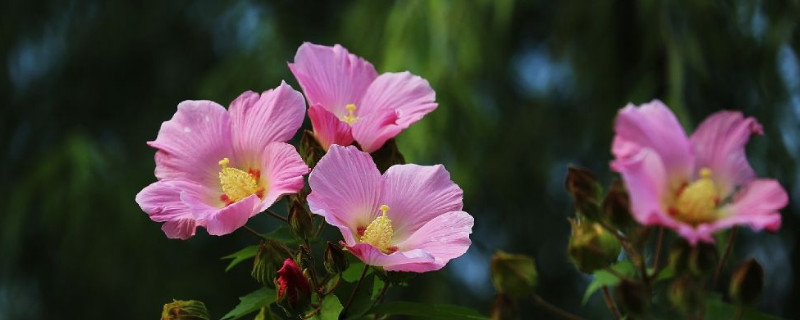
353,294
612,306
253,232
277,216
725,254
554,310
657,253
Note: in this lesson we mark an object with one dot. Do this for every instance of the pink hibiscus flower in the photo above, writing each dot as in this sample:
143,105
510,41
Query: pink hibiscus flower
218,168
349,100
695,185
408,219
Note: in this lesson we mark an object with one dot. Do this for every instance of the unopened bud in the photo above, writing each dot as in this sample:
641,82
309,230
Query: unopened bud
617,205
686,294
504,308
185,310
310,149
513,274
634,297
268,259
747,282
586,192
300,220
591,247
387,156
335,260
294,291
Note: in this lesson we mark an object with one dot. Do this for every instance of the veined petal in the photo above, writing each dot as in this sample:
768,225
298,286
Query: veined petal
719,144
345,189
256,121
418,194
226,220
653,126
282,170
646,181
757,205
445,237
392,103
162,202
328,129
331,76
191,144
391,262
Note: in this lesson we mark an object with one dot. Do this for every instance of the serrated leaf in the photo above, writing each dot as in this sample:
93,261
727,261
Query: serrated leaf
251,303
241,255
430,311
331,308
604,278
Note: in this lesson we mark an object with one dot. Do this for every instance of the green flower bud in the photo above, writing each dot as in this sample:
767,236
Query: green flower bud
335,260
747,282
586,192
591,247
514,275
687,294
310,149
634,297
185,310
268,259
617,205
387,156
300,220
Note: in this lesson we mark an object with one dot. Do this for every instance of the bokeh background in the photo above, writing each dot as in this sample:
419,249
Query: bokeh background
524,89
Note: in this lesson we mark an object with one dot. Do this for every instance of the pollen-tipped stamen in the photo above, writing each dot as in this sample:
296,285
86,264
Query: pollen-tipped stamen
379,232
697,202
237,184
350,118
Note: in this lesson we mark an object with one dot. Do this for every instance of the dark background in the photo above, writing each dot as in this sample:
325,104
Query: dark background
524,89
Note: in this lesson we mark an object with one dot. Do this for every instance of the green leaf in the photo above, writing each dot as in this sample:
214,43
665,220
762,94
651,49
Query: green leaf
604,278
241,255
251,303
430,311
665,274
331,308
377,287
353,272
717,309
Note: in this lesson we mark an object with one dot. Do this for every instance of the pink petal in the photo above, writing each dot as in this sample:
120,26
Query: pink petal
646,181
226,220
331,76
191,144
418,194
162,202
392,103
345,189
328,129
257,120
282,170
445,237
653,126
719,145
757,204
397,261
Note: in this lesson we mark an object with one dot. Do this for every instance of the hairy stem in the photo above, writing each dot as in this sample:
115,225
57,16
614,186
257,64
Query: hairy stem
612,306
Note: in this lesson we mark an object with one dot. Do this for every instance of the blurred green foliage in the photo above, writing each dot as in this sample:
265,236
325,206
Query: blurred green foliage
524,88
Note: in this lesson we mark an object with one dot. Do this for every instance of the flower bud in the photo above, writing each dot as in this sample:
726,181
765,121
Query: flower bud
514,275
309,149
504,308
269,257
294,292
686,294
617,205
387,156
185,310
335,260
634,297
586,192
300,220
747,282
591,247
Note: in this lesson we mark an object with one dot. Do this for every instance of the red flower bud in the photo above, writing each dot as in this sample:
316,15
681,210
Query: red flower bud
294,292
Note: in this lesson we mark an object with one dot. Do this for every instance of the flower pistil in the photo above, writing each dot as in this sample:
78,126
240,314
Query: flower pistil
379,232
697,202
238,184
